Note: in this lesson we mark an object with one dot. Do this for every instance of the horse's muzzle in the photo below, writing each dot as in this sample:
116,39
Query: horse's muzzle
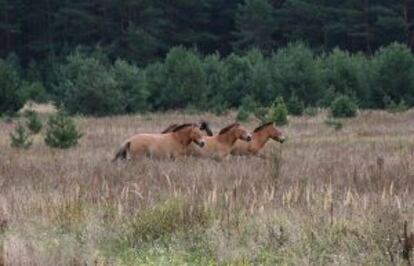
280,139
200,143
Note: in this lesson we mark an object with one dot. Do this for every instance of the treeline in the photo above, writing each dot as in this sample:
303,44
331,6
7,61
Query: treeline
92,84
143,31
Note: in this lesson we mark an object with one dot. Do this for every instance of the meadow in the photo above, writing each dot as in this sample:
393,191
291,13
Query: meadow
324,197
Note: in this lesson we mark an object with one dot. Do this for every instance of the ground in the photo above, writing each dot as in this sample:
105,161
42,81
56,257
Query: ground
325,197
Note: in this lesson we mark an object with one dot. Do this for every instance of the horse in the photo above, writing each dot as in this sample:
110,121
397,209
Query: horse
204,126
172,144
219,146
260,137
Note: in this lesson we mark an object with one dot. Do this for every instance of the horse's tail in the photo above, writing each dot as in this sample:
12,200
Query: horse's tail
122,152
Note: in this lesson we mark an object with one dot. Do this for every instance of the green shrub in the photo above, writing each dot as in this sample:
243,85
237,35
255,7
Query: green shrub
311,111
343,106
393,107
393,75
61,131
34,124
166,219
296,70
85,85
130,80
243,115
348,74
185,80
11,97
278,112
261,113
337,125
21,138
295,106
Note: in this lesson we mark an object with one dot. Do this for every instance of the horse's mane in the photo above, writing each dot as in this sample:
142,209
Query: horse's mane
170,128
224,130
257,129
206,127
180,127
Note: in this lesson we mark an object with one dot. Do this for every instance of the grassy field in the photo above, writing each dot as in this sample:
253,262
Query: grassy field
326,197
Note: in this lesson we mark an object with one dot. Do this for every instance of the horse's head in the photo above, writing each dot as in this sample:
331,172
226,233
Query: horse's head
196,136
206,127
276,134
238,131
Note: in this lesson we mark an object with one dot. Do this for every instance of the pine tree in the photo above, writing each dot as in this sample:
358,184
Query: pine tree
61,132
21,138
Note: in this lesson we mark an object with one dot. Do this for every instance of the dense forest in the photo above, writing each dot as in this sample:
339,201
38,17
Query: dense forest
135,55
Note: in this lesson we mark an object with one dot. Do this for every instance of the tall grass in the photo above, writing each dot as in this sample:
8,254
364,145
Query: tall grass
324,197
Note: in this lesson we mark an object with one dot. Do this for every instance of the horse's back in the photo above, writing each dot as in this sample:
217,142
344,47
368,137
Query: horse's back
152,144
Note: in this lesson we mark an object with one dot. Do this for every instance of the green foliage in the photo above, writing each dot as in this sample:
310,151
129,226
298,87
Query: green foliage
278,112
237,73
394,74
184,79
34,124
85,86
34,91
311,111
255,25
61,131
296,71
393,107
163,220
11,97
336,124
295,106
348,75
243,115
130,80
21,138
344,106
261,114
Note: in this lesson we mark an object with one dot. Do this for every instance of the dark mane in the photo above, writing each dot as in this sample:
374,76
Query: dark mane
262,127
224,130
170,128
180,127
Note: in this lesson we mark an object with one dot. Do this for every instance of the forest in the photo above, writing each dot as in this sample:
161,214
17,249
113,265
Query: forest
139,55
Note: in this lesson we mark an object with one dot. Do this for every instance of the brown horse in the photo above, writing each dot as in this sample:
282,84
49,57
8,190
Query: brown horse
171,144
220,146
260,137
204,126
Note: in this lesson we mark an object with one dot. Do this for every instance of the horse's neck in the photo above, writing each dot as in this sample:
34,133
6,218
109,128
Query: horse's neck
227,139
260,139
182,138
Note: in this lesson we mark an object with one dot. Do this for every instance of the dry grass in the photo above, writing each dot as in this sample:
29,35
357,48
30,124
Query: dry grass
326,197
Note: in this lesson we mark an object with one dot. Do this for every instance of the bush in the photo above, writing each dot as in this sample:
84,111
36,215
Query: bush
295,70
243,115
34,124
343,106
86,86
61,132
130,80
261,114
348,75
401,107
295,106
311,111
337,125
11,97
185,80
21,138
394,75
278,112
